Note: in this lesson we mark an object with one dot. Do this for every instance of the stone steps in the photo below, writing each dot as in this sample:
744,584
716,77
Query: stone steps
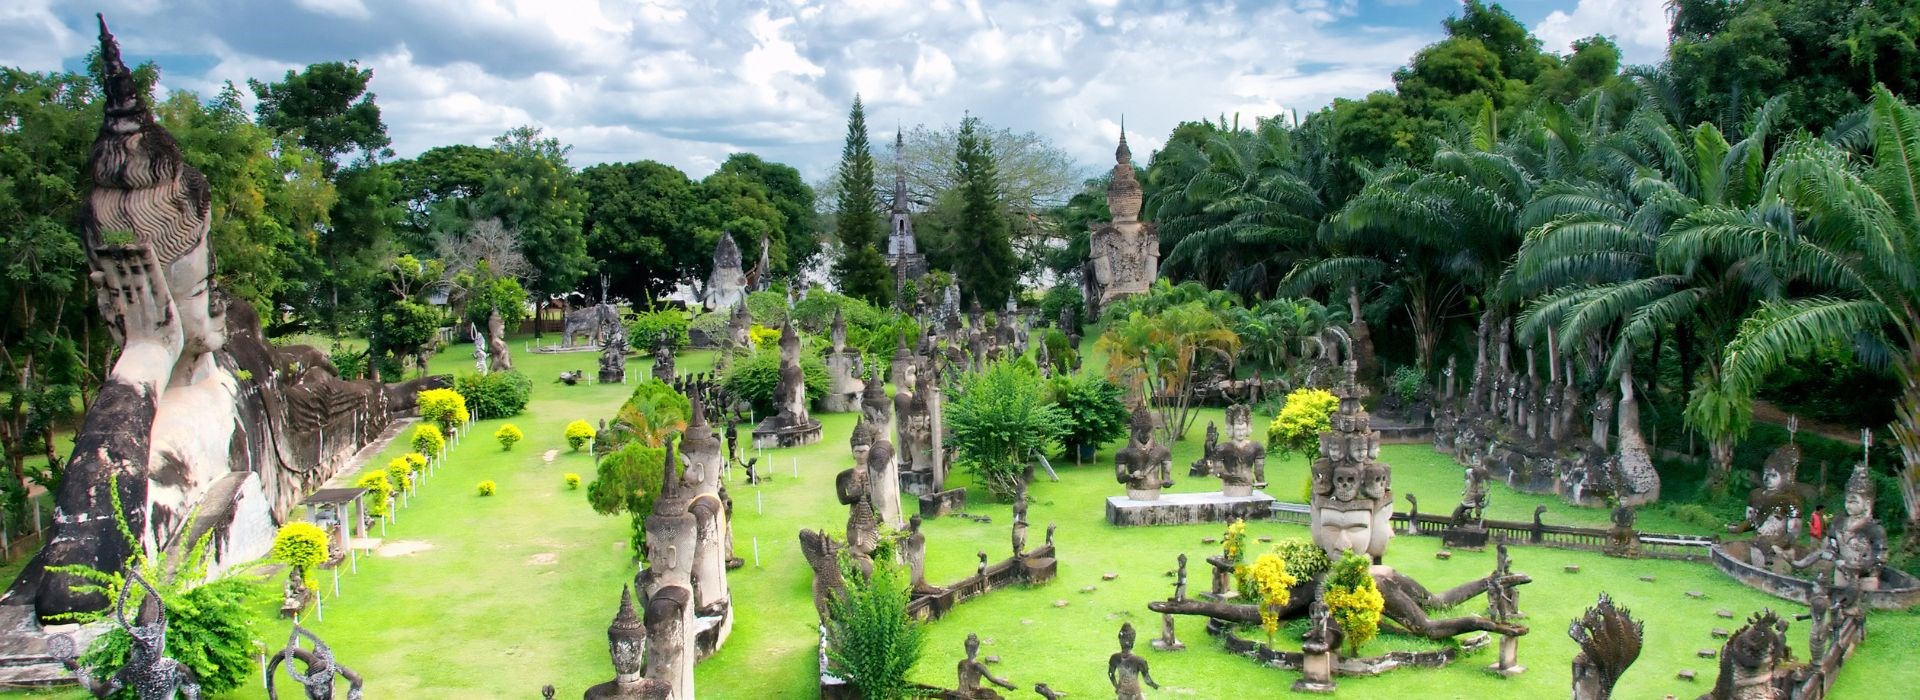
30,656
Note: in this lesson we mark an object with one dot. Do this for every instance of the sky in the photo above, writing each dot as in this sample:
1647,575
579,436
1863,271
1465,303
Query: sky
687,83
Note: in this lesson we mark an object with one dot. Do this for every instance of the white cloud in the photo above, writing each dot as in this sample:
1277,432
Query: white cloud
1638,26
349,9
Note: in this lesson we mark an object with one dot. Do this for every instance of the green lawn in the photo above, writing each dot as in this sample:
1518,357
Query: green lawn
517,589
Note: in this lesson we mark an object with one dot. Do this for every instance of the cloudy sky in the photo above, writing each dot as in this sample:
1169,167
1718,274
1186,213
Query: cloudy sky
686,83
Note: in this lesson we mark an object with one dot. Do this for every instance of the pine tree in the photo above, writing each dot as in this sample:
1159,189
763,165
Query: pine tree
862,268
985,263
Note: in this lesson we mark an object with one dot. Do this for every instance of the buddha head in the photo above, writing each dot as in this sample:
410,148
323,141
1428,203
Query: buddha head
627,638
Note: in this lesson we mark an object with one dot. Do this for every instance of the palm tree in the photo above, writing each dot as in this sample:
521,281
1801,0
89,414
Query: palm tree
1162,355
1843,234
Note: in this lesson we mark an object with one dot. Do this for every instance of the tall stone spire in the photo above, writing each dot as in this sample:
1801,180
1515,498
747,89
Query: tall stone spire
1124,195
903,251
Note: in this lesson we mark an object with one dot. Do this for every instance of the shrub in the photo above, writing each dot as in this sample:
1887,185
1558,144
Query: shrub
300,545
996,421
578,433
1354,600
1093,411
814,314
627,481
400,473
428,440
1305,559
1273,586
768,308
762,336
652,413
487,487
416,461
1062,296
645,328
1061,353
573,480
497,394
1406,384
871,640
507,435
1305,416
379,490
444,407
755,376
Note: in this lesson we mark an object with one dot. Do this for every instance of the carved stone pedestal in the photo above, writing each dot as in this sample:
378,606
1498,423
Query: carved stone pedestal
1039,570
1509,663
1168,642
1316,674
1187,508
769,435
1465,537
934,505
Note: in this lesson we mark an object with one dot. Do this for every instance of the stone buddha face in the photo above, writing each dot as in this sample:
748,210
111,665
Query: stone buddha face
628,653
1240,427
1859,506
1774,480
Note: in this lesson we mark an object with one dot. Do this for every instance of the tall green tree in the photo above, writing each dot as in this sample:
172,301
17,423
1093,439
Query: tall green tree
328,108
640,227
733,202
366,215
789,194
983,260
535,193
862,268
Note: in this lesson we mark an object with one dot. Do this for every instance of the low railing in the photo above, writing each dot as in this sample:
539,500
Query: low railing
1654,545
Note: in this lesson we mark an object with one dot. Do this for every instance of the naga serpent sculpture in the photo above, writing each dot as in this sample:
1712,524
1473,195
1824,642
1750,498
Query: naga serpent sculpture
321,668
150,674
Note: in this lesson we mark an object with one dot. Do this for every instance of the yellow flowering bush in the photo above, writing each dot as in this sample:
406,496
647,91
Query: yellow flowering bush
578,433
1305,416
1234,544
507,435
379,489
427,439
300,545
445,407
1273,586
573,480
400,473
763,336
416,460
487,487
1354,600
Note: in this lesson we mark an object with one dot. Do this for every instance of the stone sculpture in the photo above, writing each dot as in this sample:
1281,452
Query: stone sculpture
971,672
913,547
672,546
739,327
1473,498
903,250
1318,647
197,413
499,355
1242,463
1609,640
1142,465
713,531
1127,670
727,284
1750,661
1636,481
792,426
613,351
1855,546
589,321
321,668
1352,505
823,556
1123,254
148,672
1020,520
663,359
1209,456
844,371
863,527
627,644
1775,509
876,414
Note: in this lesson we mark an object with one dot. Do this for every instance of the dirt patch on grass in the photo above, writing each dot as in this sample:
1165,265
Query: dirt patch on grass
549,456
401,548
543,559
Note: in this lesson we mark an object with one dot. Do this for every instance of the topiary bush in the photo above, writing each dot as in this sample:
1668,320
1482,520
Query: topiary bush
627,482
1272,588
1354,600
768,308
417,461
1305,416
645,328
573,481
487,487
507,435
1061,354
755,376
578,433
300,545
400,472
428,440
379,490
496,394
444,407
1406,384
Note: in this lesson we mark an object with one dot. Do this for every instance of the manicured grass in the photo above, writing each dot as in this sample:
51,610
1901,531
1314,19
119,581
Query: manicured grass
518,588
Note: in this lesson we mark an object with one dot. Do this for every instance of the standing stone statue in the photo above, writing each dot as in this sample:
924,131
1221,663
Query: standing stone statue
792,426
971,672
1209,455
148,672
1352,502
1856,545
876,413
1123,254
1143,465
713,530
823,556
672,545
1318,649
498,353
727,284
663,359
321,668
1127,670
613,351
863,533
480,363
913,547
1473,499
1242,463
1020,520
843,371
627,644
1609,640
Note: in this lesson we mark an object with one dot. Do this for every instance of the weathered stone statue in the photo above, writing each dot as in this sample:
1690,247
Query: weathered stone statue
843,371
1775,509
1856,545
1609,640
663,359
1242,463
739,329
1352,504
627,643
919,434
1020,521
1123,254
321,669
148,672
499,355
1318,647
823,556
1209,454
672,546
792,426
1127,670
1473,499
863,533
1751,660
727,284
613,351
713,531
971,673
913,547
1142,464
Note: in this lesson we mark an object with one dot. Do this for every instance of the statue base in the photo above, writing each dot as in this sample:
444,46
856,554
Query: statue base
934,505
920,483
770,435
1188,508
1164,645
613,376
1472,537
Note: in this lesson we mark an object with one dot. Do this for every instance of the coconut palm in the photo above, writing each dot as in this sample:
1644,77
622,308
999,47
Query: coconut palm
1843,233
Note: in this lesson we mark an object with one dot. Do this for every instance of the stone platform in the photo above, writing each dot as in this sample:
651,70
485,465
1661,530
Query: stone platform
1189,508
767,437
